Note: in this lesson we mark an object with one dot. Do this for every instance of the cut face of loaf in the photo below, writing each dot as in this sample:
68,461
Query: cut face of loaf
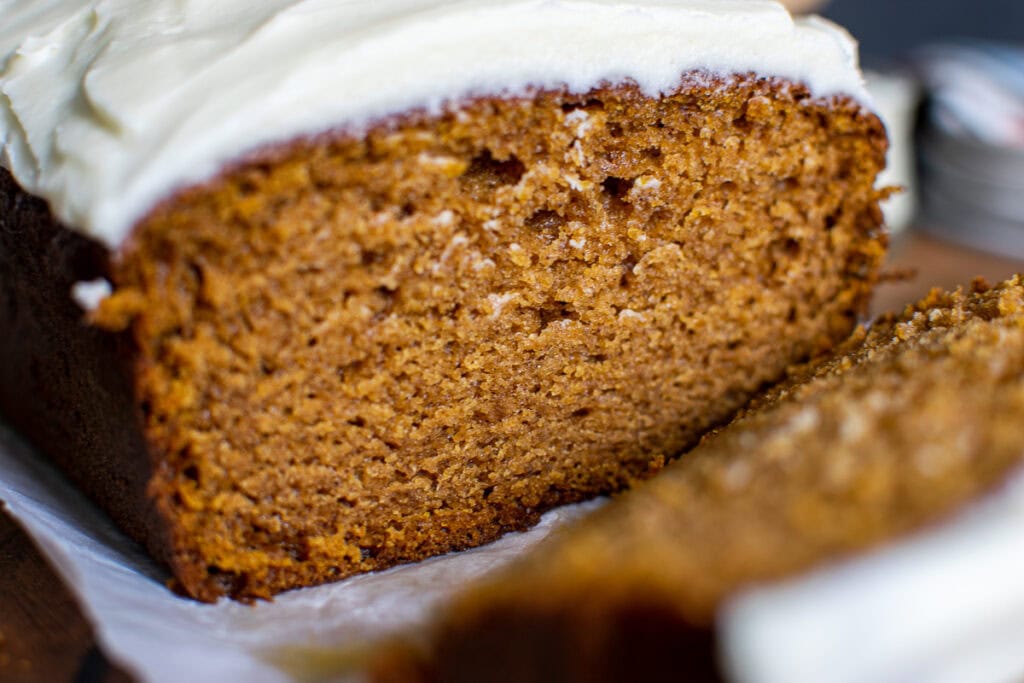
360,350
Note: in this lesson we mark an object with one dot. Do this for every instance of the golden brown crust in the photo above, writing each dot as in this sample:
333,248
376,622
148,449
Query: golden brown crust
362,350
910,420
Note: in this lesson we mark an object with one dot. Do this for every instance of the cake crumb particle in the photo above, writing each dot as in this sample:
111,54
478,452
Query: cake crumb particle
576,154
518,255
498,302
581,120
805,420
89,294
574,182
737,475
647,183
450,167
443,219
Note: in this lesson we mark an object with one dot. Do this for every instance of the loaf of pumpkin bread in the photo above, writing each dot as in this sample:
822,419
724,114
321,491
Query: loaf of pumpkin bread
298,290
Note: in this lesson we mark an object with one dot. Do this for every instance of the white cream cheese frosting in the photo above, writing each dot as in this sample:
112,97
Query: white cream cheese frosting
944,606
109,106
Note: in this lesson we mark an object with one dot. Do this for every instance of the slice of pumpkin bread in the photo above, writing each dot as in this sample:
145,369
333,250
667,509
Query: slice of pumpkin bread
909,421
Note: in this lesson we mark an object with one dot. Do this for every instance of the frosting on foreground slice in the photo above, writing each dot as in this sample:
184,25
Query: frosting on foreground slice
945,607
108,106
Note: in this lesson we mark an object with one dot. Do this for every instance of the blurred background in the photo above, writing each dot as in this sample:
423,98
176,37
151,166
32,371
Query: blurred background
888,29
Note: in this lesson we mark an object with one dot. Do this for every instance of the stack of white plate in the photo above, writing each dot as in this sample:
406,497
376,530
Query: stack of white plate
971,146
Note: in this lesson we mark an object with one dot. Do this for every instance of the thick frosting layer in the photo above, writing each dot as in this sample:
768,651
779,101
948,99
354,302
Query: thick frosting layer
946,606
108,106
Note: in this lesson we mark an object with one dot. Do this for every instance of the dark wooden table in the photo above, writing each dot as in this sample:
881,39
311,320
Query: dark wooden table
44,638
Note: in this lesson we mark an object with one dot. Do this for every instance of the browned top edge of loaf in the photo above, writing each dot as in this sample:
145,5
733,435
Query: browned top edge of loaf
274,153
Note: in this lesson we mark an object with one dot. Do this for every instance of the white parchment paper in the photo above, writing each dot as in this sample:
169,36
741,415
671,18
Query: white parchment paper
314,634
944,607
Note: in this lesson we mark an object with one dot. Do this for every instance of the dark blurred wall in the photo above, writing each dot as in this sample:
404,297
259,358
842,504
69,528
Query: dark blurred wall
887,29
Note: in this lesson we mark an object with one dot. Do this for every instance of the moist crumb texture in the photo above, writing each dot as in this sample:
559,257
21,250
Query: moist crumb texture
906,423
355,351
